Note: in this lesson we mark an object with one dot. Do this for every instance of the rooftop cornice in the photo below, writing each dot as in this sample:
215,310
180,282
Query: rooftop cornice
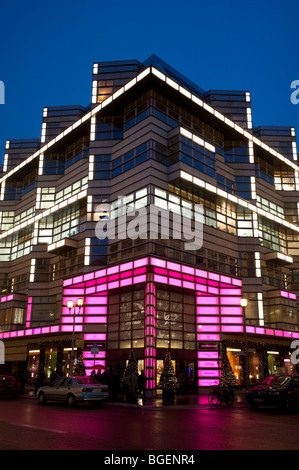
173,84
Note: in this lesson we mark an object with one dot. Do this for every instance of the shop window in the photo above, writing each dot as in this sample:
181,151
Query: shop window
33,365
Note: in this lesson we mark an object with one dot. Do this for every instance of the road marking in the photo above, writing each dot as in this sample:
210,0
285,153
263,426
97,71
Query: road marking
39,428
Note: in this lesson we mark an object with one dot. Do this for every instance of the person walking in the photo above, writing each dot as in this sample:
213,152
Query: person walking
142,380
132,387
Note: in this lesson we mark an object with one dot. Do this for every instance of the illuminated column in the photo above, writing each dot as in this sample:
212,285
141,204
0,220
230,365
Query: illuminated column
208,339
93,121
260,308
150,335
2,191
5,162
87,252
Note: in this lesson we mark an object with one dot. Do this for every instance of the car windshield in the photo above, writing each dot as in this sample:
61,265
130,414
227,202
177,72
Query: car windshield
4,378
87,381
277,380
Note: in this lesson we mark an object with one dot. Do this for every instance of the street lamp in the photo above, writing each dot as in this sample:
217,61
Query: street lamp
70,304
244,303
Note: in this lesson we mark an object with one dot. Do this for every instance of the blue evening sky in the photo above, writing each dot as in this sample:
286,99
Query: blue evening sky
47,50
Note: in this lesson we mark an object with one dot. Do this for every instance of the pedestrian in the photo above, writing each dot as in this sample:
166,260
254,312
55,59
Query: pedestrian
142,380
53,376
132,387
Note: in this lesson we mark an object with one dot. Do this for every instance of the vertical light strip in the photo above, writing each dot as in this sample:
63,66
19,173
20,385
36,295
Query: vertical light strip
255,225
38,198
93,128
35,233
150,334
297,180
258,271
260,308
253,187
89,209
91,167
2,190
87,252
251,152
29,308
45,112
41,164
294,147
7,144
5,162
249,118
43,133
32,270
94,91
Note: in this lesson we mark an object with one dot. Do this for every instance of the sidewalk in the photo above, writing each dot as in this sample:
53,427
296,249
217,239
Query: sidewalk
180,402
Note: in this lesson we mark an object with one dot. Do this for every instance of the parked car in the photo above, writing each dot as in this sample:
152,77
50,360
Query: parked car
73,390
276,390
9,386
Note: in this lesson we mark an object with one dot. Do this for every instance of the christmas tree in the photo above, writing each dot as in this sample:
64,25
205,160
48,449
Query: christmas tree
168,378
80,367
131,367
227,376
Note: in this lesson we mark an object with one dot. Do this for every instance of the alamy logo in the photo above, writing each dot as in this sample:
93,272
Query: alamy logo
2,93
295,354
150,222
295,94
2,353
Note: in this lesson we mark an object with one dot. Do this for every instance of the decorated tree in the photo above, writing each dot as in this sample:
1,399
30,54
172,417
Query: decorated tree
131,367
168,380
80,367
227,375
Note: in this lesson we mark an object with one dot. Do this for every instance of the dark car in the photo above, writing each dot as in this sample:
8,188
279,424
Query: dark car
8,386
276,390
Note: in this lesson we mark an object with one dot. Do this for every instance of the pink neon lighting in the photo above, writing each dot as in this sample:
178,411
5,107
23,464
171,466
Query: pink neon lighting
89,355
7,298
207,355
232,320
232,329
141,262
230,300
95,337
207,337
230,291
210,328
208,382
29,308
95,310
207,364
208,319
96,300
208,373
207,310
231,310
207,300
95,319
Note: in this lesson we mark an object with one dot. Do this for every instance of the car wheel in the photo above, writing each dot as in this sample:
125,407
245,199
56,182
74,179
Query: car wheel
42,399
254,406
71,401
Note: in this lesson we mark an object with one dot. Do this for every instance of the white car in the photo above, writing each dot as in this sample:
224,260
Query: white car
73,390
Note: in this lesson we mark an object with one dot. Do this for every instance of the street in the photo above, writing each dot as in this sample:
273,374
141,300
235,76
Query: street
25,425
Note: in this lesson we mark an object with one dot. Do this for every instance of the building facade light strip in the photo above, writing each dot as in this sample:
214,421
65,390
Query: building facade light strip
72,127
45,213
242,202
229,122
197,140
182,90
